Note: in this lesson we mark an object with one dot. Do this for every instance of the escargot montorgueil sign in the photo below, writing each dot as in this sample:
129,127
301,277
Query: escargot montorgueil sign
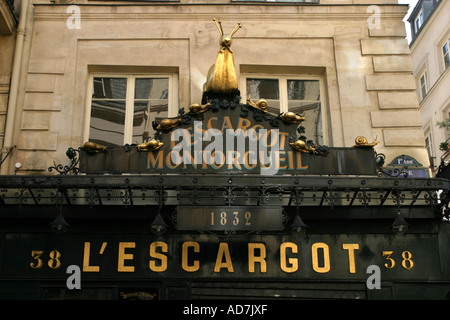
234,138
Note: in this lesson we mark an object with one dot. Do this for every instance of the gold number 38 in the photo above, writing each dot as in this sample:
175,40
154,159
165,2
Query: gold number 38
53,263
407,261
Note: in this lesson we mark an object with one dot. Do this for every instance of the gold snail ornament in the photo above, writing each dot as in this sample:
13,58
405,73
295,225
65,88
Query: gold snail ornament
167,124
93,147
261,104
302,146
198,108
292,117
222,76
361,142
150,145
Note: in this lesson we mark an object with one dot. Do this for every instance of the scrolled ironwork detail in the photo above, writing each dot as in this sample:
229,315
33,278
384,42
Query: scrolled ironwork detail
394,172
73,155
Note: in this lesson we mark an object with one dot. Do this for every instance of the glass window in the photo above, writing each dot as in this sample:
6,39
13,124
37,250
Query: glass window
446,54
423,85
268,89
428,145
288,93
108,111
123,108
419,21
304,98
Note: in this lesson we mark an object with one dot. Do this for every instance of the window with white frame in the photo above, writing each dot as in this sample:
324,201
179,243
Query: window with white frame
429,144
418,21
446,54
429,147
122,107
423,84
284,93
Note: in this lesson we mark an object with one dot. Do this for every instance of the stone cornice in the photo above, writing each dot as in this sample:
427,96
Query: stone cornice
101,11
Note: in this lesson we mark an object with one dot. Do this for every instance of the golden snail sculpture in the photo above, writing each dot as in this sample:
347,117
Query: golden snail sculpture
93,147
222,76
261,104
150,145
198,108
167,124
292,117
302,146
361,142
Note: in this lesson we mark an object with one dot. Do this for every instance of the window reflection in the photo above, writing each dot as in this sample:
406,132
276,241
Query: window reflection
151,103
107,122
117,119
304,98
109,88
300,96
267,89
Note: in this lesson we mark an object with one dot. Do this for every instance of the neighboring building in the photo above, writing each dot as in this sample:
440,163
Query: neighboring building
8,33
430,32
119,87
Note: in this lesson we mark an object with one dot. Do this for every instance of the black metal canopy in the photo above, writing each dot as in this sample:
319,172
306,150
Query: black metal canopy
289,191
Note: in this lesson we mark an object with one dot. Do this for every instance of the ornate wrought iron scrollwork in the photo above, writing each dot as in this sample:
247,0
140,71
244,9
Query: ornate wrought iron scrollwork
445,201
73,155
229,195
395,172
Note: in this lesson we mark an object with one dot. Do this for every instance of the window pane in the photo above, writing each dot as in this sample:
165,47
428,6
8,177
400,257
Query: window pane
109,88
151,88
423,85
145,112
107,122
446,54
313,124
263,89
303,89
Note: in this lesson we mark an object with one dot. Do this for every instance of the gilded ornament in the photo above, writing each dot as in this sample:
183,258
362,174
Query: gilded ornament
302,146
167,124
150,145
361,142
93,147
292,117
222,76
261,104
198,108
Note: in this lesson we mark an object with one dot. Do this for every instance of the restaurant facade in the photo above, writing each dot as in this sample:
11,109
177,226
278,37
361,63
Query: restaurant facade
221,150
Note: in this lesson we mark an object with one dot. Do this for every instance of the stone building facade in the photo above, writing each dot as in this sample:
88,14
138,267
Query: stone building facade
354,50
112,85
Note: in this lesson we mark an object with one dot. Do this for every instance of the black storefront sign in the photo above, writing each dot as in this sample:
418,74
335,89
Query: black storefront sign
187,256
232,142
